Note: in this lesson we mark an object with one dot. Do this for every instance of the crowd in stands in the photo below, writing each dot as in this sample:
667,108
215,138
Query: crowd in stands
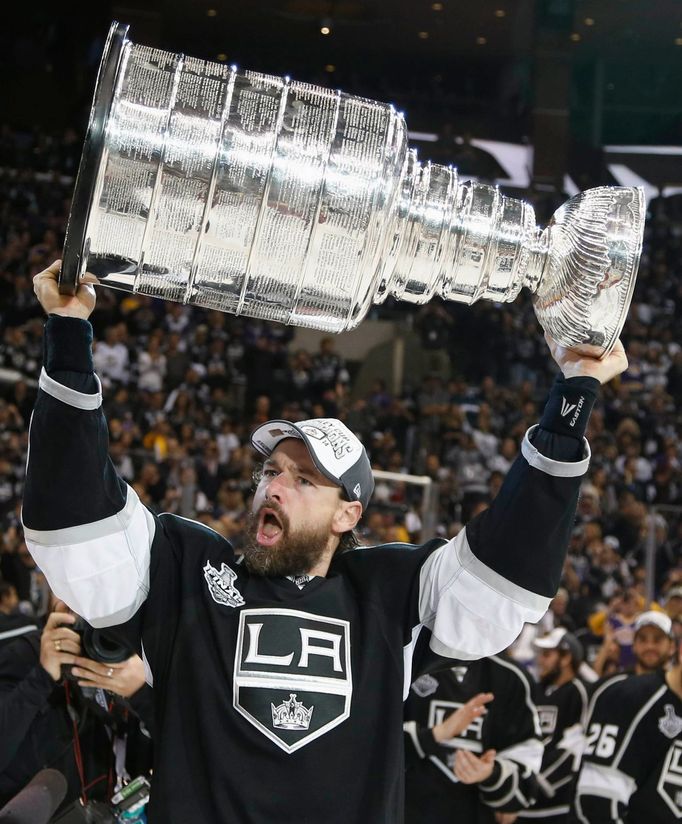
184,387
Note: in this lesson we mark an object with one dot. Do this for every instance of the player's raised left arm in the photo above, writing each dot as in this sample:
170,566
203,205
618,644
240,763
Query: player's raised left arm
478,590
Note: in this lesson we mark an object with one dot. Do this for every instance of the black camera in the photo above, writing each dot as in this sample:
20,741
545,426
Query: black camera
103,645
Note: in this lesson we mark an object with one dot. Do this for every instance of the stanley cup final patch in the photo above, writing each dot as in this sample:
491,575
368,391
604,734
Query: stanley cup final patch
670,724
292,674
221,585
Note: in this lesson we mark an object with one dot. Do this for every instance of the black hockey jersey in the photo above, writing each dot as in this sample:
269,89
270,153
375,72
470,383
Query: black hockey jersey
276,703
433,794
562,712
632,762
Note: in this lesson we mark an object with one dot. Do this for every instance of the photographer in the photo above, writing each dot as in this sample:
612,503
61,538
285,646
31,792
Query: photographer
72,724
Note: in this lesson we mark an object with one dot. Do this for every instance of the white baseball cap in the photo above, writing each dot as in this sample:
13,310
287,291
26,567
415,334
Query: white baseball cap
653,618
560,638
335,450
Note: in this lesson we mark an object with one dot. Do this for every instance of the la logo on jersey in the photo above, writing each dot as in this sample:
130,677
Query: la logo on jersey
670,781
221,585
469,739
292,674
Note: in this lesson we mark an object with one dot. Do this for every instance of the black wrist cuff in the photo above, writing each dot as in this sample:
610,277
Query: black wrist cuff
569,406
67,345
493,778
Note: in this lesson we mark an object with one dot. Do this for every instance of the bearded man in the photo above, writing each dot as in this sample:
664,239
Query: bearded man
279,681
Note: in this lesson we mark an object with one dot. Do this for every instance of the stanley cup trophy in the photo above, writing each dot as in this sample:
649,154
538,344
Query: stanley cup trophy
261,196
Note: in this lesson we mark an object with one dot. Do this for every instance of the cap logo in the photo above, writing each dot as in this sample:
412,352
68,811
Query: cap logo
566,407
357,490
339,440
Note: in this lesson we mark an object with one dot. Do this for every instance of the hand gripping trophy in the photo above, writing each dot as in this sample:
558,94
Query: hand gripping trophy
262,196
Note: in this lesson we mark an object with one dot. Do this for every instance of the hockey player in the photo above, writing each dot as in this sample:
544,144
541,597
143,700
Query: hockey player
561,698
279,681
632,762
653,644
491,765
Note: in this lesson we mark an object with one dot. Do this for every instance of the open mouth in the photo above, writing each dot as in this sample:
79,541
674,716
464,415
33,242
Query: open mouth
270,527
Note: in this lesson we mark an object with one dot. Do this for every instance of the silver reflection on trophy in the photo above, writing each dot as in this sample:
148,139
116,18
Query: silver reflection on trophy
262,196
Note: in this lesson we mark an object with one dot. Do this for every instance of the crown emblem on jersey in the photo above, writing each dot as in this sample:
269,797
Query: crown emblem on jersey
291,714
670,724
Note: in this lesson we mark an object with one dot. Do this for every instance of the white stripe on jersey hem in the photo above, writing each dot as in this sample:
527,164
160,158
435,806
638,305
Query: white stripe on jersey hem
605,782
410,727
69,396
15,633
559,469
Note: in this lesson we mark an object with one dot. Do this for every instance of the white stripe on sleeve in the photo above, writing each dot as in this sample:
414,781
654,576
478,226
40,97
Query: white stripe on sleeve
69,396
559,469
15,633
471,610
101,570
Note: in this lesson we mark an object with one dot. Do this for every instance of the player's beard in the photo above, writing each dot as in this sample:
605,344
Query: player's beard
651,663
295,553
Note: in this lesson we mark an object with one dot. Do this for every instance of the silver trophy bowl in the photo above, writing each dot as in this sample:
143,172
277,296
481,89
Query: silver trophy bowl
262,196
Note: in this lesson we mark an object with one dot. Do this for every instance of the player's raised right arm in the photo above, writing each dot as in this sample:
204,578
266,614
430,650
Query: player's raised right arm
85,527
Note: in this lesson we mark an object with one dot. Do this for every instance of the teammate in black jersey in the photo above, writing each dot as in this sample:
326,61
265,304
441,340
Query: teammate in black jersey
632,763
279,682
561,699
471,773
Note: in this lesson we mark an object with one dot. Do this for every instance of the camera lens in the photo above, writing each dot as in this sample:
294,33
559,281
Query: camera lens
101,644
